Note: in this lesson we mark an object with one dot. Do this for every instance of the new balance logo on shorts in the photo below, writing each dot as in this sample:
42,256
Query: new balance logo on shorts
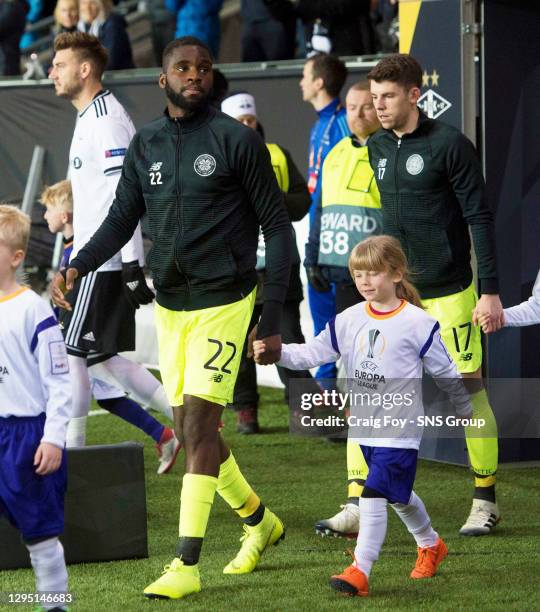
216,377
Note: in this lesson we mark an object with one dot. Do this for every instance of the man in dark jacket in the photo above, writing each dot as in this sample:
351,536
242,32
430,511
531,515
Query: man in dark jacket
268,30
206,183
12,24
341,27
432,193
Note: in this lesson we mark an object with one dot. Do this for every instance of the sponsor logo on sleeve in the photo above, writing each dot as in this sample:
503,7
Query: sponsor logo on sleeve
59,358
115,152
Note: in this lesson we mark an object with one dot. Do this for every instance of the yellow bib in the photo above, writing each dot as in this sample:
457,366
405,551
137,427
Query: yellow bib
280,166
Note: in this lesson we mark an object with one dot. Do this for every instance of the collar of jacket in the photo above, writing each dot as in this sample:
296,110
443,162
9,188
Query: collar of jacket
329,109
356,143
191,123
424,125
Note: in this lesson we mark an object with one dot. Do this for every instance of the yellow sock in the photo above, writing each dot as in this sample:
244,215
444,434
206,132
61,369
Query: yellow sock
482,444
196,502
235,490
357,470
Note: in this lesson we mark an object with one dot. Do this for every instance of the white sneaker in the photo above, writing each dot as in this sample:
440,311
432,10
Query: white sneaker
482,519
343,524
167,450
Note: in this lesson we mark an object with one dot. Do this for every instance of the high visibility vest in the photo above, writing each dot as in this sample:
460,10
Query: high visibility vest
281,170
351,204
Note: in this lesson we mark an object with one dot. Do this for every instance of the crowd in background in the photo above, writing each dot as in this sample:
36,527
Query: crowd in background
271,29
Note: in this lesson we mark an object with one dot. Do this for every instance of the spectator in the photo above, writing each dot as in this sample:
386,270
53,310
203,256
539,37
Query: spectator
342,27
162,26
12,24
35,13
97,18
241,106
199,18
66,16
268,30
385,17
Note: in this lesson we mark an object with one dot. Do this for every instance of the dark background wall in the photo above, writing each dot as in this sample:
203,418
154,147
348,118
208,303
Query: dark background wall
31,114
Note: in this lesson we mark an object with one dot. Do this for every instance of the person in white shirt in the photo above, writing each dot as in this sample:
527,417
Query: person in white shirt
35,407
385,344
101,322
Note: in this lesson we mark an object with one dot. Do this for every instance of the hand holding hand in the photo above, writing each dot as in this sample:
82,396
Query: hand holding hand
267,350
489,306
61,284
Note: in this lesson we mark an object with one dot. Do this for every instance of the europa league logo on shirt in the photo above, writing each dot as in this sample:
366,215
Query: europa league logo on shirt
375,344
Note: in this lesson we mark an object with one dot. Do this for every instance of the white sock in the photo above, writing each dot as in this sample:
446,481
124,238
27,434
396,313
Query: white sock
417,521
141,384
76,432
49,565
80,384
373,518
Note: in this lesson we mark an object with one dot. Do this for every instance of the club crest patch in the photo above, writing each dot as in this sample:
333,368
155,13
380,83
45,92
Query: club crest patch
414,164
204,165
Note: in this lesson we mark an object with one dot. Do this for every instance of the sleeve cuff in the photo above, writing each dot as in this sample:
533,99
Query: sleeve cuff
81,268
270,323
489,286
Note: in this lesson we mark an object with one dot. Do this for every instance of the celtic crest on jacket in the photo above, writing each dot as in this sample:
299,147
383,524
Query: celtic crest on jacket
204,165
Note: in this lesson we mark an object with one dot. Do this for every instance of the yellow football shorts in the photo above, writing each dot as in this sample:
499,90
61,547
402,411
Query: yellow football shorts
200,350
461,338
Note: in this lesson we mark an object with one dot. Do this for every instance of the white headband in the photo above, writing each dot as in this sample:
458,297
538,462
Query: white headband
238,105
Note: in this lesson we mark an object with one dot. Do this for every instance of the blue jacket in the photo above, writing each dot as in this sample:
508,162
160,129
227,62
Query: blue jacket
198,18
324,137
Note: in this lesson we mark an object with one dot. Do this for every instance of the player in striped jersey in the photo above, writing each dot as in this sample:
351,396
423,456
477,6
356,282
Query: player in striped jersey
386,343
101,321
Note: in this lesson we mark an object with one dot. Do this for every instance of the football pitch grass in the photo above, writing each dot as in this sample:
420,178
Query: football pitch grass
303,479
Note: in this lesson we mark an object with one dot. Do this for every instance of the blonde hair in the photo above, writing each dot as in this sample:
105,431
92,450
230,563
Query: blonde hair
14,227
384,254
58,196
56,13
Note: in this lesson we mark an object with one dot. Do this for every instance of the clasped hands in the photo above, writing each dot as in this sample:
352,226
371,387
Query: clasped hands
264,351
488,313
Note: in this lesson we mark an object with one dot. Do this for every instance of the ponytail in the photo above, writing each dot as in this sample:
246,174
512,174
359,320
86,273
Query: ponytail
405,290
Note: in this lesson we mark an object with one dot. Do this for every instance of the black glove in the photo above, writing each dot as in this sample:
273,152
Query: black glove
317,279
135,287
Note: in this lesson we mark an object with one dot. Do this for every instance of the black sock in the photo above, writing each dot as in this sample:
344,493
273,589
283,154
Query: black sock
189,550
256,517
485,493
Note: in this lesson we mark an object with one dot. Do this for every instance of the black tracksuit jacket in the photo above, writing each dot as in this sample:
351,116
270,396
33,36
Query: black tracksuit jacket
432,191
206,184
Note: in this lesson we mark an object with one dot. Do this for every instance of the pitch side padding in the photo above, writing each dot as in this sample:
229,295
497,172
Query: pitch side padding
105,510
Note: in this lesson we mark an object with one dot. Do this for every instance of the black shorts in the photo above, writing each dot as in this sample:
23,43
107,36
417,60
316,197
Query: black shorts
101,319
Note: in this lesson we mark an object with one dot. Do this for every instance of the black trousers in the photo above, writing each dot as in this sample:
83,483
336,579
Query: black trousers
245,391
268,41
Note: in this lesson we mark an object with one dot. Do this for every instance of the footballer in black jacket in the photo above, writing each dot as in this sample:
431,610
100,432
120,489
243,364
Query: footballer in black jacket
206,183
